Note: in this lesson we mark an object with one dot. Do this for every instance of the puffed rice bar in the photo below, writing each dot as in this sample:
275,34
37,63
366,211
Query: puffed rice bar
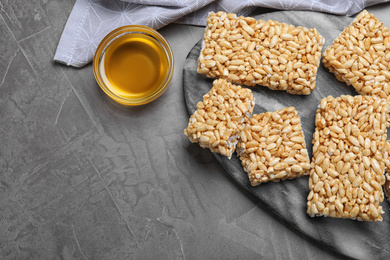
220,117
348,165
360,56
253,52
272,147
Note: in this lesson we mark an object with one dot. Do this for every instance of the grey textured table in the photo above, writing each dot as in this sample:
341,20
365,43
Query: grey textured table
84,178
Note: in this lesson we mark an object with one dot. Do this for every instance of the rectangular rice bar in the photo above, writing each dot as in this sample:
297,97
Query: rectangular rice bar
252,52
347,174
360,56
220,117
272,147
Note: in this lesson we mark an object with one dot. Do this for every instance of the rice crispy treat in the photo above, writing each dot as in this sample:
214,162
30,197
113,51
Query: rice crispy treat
220,117
252,52
360,56
348,161
272,147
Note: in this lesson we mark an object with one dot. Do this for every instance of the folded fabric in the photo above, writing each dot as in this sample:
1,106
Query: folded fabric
172,3
91,20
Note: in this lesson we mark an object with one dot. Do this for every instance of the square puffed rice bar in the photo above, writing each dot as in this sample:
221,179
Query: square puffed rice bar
220,117
272,147
348,161
360,56
253,52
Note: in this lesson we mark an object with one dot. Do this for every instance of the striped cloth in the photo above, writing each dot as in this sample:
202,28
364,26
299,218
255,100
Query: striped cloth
91,20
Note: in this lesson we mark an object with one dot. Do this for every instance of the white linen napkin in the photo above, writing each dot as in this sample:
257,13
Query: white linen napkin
91,20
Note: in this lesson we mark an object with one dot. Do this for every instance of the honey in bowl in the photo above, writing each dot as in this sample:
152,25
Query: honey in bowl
133,65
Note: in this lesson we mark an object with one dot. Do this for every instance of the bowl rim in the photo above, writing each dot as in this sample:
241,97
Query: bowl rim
126,30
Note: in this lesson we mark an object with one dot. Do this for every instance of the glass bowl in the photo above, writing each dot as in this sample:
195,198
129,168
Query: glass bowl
133,65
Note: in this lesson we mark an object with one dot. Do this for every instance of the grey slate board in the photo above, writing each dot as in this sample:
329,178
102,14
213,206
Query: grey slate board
287,199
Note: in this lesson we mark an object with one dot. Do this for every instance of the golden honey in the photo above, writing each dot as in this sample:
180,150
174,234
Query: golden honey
133,65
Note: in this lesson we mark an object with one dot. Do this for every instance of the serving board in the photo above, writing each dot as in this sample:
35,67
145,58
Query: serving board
287,199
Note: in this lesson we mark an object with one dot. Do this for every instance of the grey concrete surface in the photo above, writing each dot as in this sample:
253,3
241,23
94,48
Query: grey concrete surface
84,178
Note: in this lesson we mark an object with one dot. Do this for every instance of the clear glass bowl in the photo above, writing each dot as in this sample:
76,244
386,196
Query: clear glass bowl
133,65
